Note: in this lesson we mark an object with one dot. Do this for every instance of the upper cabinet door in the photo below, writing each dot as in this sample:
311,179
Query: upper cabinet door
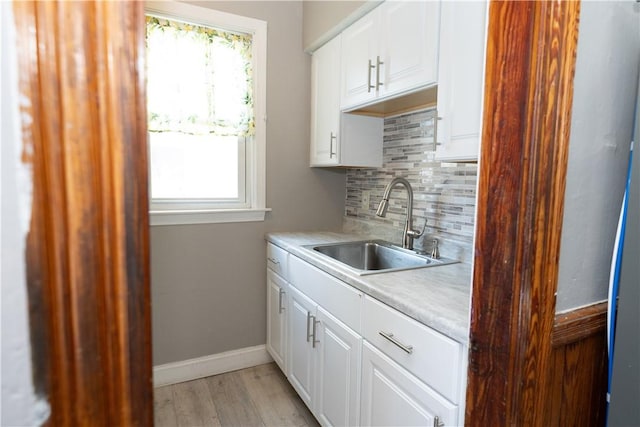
325,104
461,80
359,52
410,45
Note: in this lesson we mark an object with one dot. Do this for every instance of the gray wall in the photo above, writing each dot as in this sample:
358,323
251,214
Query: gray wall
208,281
322,20
603,105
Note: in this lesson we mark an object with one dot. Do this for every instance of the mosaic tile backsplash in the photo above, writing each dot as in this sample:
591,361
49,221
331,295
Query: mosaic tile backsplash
444,193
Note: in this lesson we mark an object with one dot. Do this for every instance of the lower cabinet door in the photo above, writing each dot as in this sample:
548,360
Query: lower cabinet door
301,318
276,318
337,353
391,396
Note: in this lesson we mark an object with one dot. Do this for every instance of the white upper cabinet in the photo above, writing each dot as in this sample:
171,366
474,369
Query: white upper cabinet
461,80
359,53
410,45
391,50
325,101
339,139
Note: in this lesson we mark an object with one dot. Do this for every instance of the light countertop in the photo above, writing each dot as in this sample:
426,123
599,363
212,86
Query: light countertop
438,297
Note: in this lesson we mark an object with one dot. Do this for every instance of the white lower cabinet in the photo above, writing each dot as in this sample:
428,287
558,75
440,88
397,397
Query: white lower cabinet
338,372
277,289
356,361
300,346
325,358
277,318
391,396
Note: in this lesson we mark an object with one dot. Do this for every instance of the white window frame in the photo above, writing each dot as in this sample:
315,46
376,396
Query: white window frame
255,147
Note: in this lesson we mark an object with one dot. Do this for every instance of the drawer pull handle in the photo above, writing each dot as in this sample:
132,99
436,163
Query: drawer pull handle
389,336
437,422
275,261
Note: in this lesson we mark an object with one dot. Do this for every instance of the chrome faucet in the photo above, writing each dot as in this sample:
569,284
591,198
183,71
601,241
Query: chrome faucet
408,234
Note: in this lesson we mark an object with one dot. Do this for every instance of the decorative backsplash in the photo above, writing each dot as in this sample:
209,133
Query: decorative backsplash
444,193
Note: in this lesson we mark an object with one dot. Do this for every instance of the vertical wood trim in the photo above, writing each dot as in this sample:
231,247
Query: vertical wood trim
84,133
531,50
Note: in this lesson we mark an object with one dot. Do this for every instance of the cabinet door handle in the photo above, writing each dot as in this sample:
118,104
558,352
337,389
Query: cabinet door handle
313,332
437,422
309,317
369,85
378,64
273,260
404,347
281,294
331,139
435,129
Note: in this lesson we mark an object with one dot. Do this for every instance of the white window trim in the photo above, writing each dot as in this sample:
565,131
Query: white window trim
256,156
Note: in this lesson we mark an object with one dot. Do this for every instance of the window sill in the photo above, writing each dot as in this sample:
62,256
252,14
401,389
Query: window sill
212,216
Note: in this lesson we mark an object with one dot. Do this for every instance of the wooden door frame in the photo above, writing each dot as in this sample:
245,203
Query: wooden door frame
81,77
531,51
87,256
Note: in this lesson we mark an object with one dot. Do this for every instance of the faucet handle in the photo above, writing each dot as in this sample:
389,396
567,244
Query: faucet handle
416,233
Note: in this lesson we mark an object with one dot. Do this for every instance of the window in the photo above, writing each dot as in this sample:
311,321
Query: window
206,108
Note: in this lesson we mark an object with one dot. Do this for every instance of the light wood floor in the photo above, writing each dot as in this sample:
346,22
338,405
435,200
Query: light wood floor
258,396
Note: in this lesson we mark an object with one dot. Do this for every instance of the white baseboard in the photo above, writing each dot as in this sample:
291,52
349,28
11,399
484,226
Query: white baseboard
192,369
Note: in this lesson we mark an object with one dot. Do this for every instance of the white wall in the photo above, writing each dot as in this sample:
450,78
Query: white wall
208,281
20,407
603,107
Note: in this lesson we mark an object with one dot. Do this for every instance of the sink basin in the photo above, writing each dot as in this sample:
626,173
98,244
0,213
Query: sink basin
376,256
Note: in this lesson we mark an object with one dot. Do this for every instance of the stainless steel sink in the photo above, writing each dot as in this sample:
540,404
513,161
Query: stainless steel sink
376,256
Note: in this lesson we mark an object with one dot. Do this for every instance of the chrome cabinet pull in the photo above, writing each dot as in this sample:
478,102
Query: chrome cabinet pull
309,316
273,260
280,297
331,139
437,422
435,129
389,336
369,85
314,341
378,64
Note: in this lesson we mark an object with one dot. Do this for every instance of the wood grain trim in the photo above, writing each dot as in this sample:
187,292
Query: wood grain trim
83,109
579,324
531,51
577,384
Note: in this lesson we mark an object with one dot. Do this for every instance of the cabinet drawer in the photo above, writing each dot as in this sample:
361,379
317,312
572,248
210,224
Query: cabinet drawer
338,298
429,355
277,260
